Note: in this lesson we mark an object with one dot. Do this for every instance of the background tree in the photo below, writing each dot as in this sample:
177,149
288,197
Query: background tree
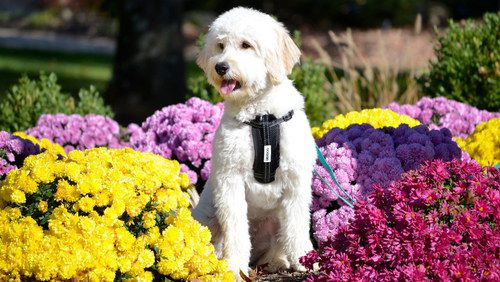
148,69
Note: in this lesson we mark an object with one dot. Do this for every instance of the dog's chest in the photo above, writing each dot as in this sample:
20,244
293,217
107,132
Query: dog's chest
263,197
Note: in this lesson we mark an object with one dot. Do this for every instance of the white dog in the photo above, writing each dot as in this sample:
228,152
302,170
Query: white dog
247,57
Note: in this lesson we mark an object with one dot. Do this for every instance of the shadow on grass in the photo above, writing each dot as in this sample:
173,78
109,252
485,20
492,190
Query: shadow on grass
74,71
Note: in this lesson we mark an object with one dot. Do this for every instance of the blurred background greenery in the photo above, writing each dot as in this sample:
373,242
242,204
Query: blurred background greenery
140,54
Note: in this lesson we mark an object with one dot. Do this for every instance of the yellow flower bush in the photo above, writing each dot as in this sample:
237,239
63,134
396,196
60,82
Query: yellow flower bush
483,145
100,215
43,143
375,117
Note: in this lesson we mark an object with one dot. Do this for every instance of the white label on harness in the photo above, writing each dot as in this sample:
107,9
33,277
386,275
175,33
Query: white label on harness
267,153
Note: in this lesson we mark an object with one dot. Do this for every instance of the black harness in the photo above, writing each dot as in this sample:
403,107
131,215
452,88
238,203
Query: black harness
266,143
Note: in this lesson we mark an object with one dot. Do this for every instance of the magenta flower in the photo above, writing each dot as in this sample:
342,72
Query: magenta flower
420,228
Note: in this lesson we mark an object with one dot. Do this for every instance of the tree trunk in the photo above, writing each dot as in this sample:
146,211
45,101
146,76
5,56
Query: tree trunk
149,66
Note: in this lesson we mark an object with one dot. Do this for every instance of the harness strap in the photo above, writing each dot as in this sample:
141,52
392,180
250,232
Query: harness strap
257,122
332,175
266,141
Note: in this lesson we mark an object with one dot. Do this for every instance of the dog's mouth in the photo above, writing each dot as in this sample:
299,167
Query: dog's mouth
228,86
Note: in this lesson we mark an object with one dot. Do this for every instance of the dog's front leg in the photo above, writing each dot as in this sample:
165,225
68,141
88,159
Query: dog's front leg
231,212
294,219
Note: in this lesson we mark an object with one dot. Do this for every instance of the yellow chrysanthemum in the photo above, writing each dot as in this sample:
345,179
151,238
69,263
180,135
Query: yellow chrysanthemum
85,204
483,145
43,206
44,143
103,207
196,258
149,219
375,117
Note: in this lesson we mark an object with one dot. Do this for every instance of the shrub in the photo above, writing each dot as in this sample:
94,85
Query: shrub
29,99
459,118
362,156
198,86
309,78
120,214
483,145
467,67
438,223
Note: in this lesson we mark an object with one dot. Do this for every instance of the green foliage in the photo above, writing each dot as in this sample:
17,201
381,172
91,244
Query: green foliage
467,68
198,86
27,100
309,78
90,102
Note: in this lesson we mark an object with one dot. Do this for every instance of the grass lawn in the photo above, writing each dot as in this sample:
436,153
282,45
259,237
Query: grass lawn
74,71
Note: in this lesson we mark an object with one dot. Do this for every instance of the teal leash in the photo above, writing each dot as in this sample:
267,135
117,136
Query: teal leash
332,175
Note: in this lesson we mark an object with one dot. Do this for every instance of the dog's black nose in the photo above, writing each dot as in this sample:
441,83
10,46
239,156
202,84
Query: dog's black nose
222,68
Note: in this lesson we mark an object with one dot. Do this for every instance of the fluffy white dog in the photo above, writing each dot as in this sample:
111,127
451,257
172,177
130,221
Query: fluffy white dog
247,57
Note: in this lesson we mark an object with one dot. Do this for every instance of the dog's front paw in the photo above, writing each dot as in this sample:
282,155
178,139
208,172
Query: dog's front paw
239,271
295,256
274,261
296,266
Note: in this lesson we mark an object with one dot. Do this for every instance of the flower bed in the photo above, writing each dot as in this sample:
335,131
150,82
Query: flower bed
183,132
362,156
438,223
124,213
102,214
459,118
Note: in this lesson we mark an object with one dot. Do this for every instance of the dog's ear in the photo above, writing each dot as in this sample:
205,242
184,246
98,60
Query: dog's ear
290,52
280,62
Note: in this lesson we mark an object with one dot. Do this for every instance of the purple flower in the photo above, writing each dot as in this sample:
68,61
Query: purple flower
183,132
437,113
13,151
78,132
363,157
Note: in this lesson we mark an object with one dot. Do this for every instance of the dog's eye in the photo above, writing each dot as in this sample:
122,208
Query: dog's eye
245,45
221,46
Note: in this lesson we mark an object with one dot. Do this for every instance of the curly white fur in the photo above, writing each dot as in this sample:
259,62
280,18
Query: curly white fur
253,222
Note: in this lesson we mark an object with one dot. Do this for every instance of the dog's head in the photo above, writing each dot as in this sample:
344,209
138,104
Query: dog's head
245,52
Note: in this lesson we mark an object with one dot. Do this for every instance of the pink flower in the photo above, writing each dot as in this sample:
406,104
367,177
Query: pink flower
403,235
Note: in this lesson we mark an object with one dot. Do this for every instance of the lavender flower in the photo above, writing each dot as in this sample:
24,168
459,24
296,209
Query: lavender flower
459,118
183,132
362,156
13,151
78,132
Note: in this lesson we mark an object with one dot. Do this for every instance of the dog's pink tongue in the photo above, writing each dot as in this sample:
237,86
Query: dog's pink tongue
227,86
